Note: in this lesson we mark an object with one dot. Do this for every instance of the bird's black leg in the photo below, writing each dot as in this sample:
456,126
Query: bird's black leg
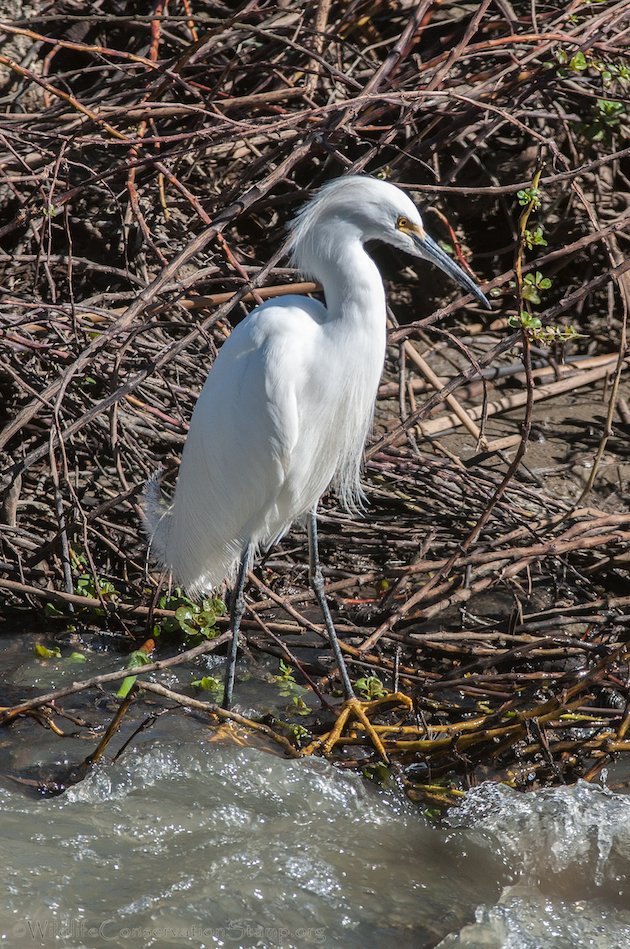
236,615
317,582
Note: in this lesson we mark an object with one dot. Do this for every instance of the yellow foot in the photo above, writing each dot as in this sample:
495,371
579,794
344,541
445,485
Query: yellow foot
354,710
225,731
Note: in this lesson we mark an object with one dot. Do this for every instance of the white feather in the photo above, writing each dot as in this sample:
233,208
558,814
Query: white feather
288,403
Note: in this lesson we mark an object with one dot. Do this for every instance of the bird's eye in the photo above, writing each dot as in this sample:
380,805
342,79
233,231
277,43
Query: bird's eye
402,223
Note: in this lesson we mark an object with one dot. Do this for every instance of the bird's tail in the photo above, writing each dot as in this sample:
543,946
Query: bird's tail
156,517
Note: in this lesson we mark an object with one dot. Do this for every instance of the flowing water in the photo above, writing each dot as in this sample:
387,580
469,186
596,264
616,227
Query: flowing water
187,842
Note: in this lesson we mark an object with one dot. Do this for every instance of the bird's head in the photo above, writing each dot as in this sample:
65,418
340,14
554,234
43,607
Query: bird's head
374,210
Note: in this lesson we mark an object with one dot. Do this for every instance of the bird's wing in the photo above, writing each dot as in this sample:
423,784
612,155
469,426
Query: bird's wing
239,447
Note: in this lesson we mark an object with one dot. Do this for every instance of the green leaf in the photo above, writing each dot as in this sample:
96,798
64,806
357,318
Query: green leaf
208,632
579,62
126,687
370,687
531,294
610,109
299,733
138,658
51,610
184,615
208,684
77,657
46,653
529,196
286,671
299,706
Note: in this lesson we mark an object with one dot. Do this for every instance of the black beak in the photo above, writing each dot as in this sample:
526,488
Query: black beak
433,252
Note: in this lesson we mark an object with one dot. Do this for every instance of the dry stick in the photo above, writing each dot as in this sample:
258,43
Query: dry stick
566,303
456,740
624,287
112,728
512,469
470,373
445,423
391,437
350,651
395,56
572,365
321,19
458,51
622,361
134,202
348,105
8,714
117,608
59,93
400,48
132,311
460,412
489,571
213,709
165,357
79,47
197,302
579,537
285,649
515,186
87,602
265,293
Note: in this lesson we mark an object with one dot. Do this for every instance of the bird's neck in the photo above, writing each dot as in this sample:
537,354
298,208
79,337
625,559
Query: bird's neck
352,286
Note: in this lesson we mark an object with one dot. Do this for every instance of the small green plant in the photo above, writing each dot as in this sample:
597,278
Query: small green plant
139,657
570,64
52,611
209,684
54,652
377,772
370,687
77,657
287,686
579,62
299,706
87,585
545,335
534,238
534,286
45,652
194,620
300,734
432,814
607,116
529,198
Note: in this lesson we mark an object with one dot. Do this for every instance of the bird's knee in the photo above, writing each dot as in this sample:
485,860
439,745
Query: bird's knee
238,608
317,581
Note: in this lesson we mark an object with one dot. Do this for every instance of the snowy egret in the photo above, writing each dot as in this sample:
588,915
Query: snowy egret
288,403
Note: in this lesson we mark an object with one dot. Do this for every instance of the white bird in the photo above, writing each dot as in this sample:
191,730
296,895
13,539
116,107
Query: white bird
288,403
